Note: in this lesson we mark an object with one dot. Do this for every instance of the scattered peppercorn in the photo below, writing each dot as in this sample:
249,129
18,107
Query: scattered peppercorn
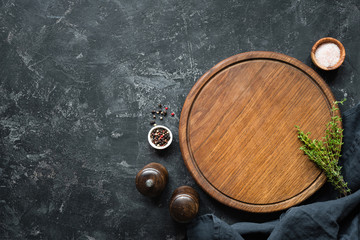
152,122
162,111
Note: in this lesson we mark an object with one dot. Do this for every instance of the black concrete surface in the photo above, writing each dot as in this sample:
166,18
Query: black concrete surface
78,79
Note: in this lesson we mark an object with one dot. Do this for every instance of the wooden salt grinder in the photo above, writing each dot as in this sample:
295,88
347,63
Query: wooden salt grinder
152,179
184,204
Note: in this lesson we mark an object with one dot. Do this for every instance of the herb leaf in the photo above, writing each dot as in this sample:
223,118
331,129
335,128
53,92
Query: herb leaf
325,153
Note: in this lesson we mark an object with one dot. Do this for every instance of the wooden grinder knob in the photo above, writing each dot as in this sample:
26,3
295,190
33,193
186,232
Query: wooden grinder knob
152,179
184,204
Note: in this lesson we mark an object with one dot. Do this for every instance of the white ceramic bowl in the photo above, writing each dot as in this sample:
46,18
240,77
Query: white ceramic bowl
168,143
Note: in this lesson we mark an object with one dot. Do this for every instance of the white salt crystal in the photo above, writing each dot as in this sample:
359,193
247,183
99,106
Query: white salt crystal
327,54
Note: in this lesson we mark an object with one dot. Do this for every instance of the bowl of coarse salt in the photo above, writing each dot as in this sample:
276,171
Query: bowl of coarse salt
328,53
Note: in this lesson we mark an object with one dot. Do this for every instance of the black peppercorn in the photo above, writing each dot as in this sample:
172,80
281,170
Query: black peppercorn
160,137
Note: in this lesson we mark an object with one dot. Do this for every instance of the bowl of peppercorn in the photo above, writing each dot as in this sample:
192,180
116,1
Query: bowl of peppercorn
160,137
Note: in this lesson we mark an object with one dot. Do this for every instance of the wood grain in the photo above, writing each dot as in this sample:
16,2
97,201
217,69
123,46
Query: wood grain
237,133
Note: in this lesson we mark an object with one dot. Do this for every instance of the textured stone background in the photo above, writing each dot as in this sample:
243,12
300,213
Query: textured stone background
78,79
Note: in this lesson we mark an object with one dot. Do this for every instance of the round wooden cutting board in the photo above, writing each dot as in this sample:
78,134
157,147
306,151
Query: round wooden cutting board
237,130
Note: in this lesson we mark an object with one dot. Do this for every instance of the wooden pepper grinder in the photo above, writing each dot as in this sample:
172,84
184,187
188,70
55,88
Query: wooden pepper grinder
184,204
152,179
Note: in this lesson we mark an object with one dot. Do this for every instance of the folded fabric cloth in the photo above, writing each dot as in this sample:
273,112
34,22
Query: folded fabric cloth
330,218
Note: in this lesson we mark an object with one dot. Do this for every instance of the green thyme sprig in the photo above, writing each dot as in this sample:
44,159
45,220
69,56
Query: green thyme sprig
326,152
